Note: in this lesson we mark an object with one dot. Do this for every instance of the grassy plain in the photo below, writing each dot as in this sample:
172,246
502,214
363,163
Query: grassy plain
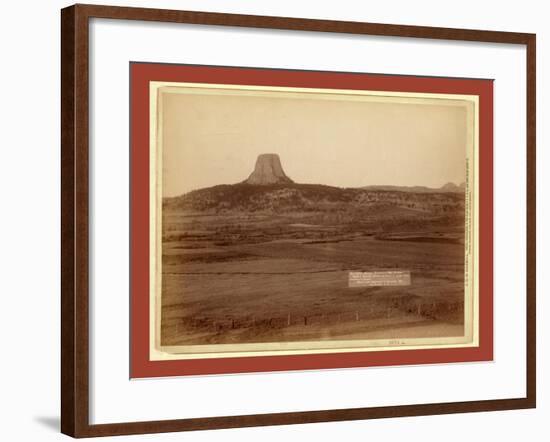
235,275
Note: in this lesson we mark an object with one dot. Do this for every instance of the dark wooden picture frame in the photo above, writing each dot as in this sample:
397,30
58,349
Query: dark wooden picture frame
75,219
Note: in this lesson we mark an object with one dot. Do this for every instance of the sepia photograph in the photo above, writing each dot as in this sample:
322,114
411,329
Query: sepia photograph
292,220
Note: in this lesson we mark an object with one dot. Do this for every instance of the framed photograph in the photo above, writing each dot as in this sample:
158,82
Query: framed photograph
257,207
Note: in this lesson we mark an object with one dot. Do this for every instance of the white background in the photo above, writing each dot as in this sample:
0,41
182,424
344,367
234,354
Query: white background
114,398
30,239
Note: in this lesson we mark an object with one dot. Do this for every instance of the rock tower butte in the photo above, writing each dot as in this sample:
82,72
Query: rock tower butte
268,170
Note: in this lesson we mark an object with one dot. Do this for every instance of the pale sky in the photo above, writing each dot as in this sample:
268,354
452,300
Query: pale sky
215,139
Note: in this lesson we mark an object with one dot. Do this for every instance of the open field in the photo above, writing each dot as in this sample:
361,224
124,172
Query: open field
243,276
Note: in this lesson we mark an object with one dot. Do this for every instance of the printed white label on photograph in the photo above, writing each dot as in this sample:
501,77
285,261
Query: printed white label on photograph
383,278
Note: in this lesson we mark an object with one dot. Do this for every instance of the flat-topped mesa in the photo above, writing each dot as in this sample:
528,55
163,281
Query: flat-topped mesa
268,170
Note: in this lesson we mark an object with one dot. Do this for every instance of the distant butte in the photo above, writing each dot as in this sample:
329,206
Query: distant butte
268,170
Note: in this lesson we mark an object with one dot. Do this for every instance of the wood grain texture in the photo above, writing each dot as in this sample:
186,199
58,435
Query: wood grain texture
531,344
67,223
74,219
